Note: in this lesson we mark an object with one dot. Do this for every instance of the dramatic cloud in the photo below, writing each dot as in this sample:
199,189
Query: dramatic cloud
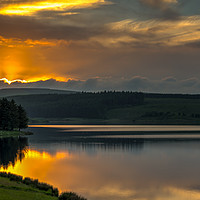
156,32
28,8
109,39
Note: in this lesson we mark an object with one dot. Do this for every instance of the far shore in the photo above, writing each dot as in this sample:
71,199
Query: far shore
93,121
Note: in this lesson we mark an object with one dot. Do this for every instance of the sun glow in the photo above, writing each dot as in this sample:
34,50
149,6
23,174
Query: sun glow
31,8
9,82
5,80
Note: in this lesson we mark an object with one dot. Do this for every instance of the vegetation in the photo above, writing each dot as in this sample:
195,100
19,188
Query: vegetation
50,190
81,105
11,188
12,116
14,187
160,111
112,108
70,196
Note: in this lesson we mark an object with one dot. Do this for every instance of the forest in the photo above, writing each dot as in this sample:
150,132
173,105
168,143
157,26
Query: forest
12,116
83,105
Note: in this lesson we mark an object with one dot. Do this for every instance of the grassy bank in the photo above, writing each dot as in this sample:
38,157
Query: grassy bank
4,133
12,190
14,187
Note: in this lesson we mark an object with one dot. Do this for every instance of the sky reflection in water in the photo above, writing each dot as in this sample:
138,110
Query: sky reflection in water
152,170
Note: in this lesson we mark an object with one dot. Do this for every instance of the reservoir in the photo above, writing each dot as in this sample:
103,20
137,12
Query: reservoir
110,162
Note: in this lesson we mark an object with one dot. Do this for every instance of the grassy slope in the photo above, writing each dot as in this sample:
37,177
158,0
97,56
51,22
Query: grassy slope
10,190
174,111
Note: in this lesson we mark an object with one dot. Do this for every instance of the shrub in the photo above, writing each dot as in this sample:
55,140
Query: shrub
55,192
70,196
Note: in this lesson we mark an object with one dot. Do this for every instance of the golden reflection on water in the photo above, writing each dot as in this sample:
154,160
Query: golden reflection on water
36,165
98,180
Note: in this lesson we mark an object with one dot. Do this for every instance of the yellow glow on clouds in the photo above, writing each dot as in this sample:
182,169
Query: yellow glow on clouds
28,9
44,78
17,63
153,32
14,42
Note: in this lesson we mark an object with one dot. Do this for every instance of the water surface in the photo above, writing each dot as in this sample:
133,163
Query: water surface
102,163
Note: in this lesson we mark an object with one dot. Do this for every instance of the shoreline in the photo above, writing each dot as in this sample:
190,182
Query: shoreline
94,130
5,133
25,187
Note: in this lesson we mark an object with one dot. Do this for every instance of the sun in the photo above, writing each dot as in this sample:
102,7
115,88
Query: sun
36,79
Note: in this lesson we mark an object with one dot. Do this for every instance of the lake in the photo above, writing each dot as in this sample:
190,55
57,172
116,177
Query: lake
110,162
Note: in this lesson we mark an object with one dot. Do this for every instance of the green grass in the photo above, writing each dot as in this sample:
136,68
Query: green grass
4,133
11,190
160,111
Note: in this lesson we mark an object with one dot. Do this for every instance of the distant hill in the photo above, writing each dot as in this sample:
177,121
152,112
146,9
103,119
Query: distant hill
112,108
82,105
31,91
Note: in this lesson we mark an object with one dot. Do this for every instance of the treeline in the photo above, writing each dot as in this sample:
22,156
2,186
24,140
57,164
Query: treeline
12,116
83,105
175,96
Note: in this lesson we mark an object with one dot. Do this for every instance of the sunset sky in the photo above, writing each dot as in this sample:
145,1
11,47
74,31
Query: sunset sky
139,45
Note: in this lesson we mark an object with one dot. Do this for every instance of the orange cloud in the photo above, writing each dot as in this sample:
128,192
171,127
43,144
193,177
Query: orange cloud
31,80
15,42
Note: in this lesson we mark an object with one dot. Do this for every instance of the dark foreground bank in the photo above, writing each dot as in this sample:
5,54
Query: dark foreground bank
14,187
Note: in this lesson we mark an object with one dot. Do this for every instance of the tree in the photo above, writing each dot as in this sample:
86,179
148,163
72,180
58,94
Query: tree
70,196
4,114
12,116
23,119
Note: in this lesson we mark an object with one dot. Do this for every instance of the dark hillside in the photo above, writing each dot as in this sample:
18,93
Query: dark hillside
84,105
113,108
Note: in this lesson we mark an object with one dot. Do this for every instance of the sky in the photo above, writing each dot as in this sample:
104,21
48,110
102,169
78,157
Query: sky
137,45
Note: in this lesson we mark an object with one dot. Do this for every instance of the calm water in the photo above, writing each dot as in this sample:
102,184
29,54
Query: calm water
110,162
